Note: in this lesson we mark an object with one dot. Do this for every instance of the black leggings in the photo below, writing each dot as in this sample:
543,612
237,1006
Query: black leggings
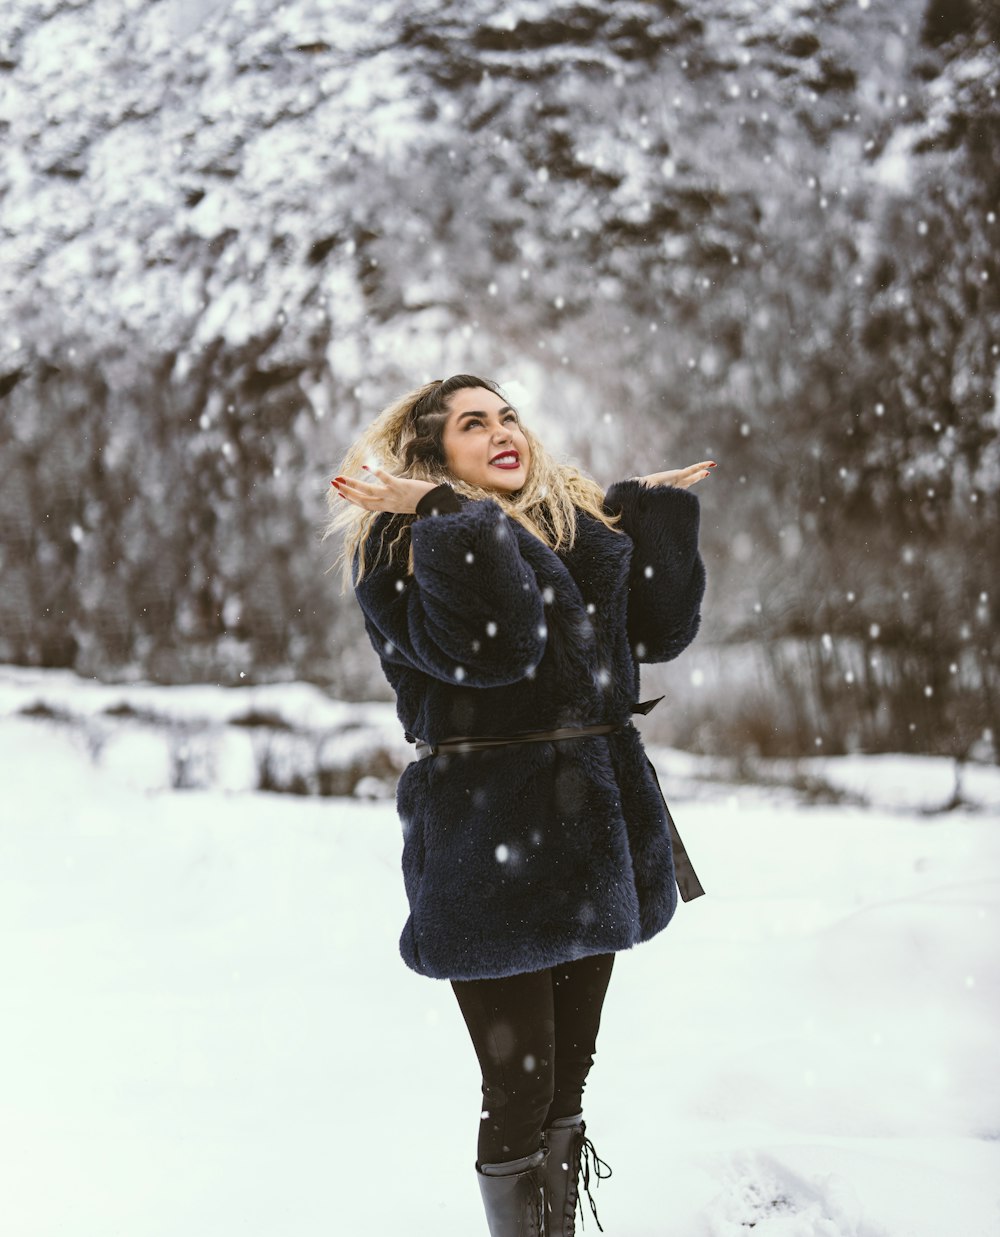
535,1036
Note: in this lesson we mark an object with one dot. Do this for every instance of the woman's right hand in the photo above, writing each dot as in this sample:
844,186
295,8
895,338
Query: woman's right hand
386,493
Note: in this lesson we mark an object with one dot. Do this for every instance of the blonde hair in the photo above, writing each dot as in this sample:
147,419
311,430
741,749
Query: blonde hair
405,440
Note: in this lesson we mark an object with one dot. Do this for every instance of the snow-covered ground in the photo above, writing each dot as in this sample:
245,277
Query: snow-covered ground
203,736
206,1029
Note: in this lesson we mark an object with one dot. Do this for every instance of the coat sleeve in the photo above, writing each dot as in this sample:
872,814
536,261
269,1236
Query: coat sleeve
667,575
470,613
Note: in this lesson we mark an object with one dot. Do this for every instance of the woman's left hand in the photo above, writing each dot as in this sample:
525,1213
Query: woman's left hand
681,478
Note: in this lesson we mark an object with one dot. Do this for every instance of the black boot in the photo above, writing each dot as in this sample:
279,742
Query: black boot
514,1195
569,1148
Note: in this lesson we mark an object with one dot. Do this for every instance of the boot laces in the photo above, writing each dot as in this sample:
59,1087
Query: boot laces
586,1151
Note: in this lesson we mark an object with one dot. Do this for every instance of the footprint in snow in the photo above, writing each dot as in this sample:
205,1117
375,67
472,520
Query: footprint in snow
761,1197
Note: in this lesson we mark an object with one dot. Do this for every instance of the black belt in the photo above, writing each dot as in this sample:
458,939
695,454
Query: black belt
688,884
529,736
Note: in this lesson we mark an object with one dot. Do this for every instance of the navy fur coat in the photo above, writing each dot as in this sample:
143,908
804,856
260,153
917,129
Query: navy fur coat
520,857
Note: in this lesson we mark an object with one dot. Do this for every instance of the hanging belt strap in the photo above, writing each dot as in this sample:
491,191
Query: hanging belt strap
688,884
687,879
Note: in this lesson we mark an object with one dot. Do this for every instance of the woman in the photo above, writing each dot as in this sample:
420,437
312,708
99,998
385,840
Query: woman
510,602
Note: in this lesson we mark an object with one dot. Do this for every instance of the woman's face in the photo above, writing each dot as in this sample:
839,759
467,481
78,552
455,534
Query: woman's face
483,442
